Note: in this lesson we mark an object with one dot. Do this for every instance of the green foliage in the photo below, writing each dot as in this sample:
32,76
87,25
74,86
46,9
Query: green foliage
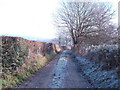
16,67
9,81
12,54
50,56
18,76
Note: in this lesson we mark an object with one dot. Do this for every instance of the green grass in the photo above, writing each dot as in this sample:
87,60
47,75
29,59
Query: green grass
49,57
10,80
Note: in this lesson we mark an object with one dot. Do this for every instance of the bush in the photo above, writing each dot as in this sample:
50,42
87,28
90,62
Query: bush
99,78
107,55
12,54
21,58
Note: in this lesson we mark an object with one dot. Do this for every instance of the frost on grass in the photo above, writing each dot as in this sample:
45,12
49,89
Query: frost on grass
59,72
97,68
100,78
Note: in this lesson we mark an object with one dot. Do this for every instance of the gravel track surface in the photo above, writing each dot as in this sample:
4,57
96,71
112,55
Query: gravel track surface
61,72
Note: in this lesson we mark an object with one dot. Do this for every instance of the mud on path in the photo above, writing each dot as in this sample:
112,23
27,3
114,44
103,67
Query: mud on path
59,73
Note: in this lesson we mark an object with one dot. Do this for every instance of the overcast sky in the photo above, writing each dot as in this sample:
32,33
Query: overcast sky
30,18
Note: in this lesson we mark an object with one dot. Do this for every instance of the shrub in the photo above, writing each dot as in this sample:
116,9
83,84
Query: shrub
21,58
108,56
12,54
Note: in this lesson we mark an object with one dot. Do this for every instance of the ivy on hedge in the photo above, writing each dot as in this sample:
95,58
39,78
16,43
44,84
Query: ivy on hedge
12,54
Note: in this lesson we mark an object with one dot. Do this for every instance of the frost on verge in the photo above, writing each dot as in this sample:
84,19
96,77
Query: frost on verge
59,72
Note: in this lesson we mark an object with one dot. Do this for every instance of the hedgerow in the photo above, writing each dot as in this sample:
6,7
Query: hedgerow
12,54
21,58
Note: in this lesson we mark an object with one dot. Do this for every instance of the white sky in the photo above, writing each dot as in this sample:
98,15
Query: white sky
29,18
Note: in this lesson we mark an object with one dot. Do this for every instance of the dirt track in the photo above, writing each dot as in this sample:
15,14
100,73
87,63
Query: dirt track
59,73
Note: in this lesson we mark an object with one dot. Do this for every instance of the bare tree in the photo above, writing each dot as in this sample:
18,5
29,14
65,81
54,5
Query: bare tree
80,18
63,38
